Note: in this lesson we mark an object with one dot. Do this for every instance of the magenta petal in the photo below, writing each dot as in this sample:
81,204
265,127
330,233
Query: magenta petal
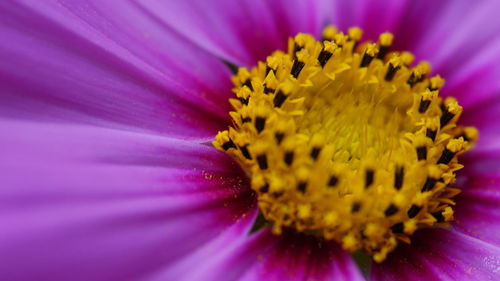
242,32
86,203
301,257
471,69
204,262
478,208
264,256
475,82
108,64
477,212
458,25
484,117
439,254
478,89
374,17
476,85
483,160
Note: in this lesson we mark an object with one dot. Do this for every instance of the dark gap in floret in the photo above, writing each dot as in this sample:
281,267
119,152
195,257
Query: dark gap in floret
429,184
398,227
431,134
302,186
422,153
333,181
268,69
244,151
446,156
383,50
413,211
366,60
297,68
356,206
260,124
279,99
246,120
323,57
268,90
369,177
229,144
279,137
262,161
248,83
391,210
438,216
391,72
424,105
398,178
446,117
289,158
244,100
315,152
264,188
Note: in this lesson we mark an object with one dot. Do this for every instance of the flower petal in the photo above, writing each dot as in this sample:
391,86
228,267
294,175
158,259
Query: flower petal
374,17
440,254
484,117
264,256
297,256
475,82
477,212
242,32
478,89
459,24
478,208
108,64
86,203
467,56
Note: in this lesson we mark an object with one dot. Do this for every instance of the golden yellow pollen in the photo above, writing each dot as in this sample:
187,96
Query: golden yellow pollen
346,140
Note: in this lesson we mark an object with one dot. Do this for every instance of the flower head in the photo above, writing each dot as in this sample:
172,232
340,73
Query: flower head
347,141
108,111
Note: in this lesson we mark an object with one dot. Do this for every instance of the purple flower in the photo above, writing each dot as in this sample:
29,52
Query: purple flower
108,109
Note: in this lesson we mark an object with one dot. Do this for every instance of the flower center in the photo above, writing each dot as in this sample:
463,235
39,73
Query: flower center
346,140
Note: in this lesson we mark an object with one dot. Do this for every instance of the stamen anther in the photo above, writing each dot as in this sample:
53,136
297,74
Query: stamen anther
391,210
385,41
369,177
413,211
279,99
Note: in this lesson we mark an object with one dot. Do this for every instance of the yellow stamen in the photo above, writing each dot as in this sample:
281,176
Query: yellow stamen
343,139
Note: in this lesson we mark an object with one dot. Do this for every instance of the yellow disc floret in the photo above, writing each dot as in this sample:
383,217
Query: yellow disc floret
348,141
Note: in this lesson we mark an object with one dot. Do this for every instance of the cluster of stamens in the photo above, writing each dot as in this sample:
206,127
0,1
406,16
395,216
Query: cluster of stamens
347,140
